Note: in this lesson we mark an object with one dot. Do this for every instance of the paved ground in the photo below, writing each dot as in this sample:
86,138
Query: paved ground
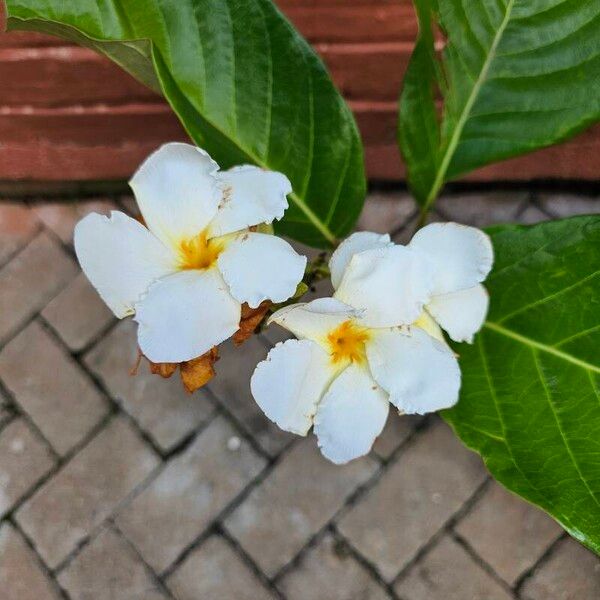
124,488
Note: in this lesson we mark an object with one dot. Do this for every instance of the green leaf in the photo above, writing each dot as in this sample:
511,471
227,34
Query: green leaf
515,76
530,398
246,86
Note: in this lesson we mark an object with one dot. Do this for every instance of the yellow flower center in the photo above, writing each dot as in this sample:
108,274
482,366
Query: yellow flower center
347,343
199,252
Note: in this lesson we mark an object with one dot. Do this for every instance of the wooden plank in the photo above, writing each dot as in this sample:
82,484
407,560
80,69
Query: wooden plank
63,75
578,158
100,142
395,22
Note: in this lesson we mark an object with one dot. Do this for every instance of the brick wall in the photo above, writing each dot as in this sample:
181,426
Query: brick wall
68,114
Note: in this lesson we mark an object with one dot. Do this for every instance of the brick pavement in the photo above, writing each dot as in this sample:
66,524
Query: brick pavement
124,488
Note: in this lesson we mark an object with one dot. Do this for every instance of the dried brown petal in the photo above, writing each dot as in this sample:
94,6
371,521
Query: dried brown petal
163,369
199,371
251,318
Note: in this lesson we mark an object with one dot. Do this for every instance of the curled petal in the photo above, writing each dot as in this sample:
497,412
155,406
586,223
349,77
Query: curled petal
461,256
121,258
251,196
184,315
259,267
420,374
177,191
391,284
288,385
357,242
461,313
351,415
314,320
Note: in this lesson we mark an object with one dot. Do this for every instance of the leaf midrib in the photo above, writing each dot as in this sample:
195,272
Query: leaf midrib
531,343
465,113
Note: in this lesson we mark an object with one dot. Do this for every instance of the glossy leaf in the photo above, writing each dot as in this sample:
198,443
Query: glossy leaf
530,398
244,83
515,76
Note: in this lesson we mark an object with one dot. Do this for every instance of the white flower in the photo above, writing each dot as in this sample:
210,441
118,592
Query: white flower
437,275
375,341
185,276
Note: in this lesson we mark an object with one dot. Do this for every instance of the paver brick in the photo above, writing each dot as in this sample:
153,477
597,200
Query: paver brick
509,534
481,209
567,205
21,576
5,409
397,429
61,217
24,460
188,494
215,572
51,388
384,212
161,407
30,280
447,572
78,314
571,573
108,569
413,500
68,507
301,494
17,226
531,215
330,571
232,387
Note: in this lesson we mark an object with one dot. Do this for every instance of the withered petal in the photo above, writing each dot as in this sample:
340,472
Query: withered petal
199,371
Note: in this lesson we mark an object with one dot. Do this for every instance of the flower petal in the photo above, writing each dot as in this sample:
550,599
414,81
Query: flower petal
357,242
461,313
177,192
121,258
251,196
350,416
461,256
420,374
289,384
258,267
314,320
392,284
185,315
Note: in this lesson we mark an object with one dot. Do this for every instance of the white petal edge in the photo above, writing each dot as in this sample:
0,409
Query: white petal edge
251,196
121,258
461,313
185,315
258,267
391,284
420,374
314,320
461,256
357,242
289,383
350,416
177,191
